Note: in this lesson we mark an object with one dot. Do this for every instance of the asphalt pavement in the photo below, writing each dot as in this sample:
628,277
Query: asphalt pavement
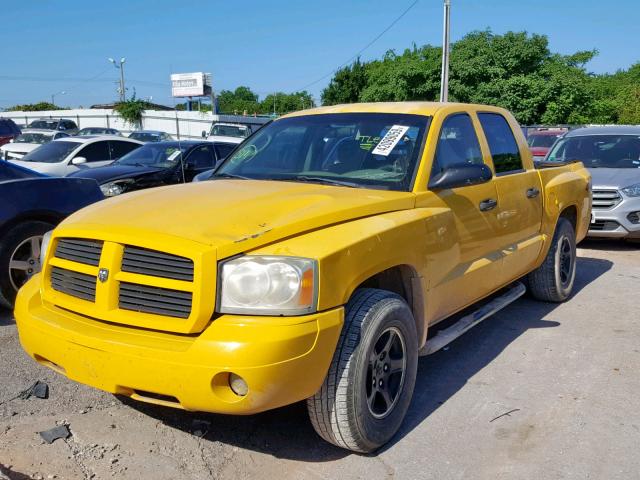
538,391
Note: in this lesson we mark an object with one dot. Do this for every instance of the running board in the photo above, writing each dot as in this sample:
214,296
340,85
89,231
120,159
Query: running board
448,335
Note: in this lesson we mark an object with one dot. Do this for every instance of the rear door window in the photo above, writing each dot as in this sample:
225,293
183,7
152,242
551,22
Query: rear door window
457,144
95,152
120,149
502,144
201,157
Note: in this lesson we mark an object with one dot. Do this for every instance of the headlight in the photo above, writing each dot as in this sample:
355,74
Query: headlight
46,241
632,190
267,285
112,189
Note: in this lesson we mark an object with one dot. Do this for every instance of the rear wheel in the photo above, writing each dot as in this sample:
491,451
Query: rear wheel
553,280
20,257
367,391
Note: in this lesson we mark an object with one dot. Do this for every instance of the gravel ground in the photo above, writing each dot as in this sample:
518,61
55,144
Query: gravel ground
567,373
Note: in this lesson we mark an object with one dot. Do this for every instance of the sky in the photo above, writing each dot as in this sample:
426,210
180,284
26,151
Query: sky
48,47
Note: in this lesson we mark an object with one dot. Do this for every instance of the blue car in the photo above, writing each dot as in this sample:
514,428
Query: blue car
31,204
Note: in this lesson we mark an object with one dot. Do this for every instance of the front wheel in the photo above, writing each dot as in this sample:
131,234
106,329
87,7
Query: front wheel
553,280
20,257
367,391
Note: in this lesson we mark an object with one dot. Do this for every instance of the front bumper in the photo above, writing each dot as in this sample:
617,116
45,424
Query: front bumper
614,222
282,359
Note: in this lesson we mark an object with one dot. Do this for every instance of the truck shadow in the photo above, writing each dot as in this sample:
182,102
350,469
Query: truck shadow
287,433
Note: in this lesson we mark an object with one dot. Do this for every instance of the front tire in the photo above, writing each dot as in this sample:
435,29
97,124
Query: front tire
20,257
553,280
368,389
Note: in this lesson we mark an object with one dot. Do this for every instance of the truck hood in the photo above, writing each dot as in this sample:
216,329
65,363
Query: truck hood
614,177
237,215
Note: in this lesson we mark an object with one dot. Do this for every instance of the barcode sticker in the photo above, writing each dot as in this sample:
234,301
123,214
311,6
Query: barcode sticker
390,140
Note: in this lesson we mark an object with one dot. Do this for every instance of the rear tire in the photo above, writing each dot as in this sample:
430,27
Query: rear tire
378,345
553,280
19,259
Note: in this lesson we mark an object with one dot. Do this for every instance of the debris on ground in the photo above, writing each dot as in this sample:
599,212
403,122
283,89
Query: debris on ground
506,414
200,427
53,434
38,390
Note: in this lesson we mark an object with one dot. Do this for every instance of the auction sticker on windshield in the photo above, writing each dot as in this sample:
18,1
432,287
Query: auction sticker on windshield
390,140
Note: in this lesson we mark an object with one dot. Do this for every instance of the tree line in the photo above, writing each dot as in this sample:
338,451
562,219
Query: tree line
516,71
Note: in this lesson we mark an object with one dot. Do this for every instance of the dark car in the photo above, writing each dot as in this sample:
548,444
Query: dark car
98,131
31,204
8,130
158,163
61,124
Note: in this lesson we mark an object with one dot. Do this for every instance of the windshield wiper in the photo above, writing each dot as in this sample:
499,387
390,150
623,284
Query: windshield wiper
324,180
228,175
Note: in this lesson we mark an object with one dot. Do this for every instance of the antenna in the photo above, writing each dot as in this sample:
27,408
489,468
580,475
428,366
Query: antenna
175,113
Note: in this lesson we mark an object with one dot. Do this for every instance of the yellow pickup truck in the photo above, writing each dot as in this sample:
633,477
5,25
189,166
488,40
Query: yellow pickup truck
315,264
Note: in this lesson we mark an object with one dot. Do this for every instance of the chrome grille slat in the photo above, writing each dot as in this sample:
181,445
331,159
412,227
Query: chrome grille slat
79,250
605,199
156,264
157,300
72,283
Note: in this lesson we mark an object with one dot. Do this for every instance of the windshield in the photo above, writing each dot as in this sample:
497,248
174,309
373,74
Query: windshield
145,137
230,131
46,124
371,150
52,152
93,131
599,151
542,140
33,138
151,155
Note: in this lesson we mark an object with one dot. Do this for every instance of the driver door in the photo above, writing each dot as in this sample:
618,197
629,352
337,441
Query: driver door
465,246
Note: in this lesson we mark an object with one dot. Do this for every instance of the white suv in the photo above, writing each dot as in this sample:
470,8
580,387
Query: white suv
64,156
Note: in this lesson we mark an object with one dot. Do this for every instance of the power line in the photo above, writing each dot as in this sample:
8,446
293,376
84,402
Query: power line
363,48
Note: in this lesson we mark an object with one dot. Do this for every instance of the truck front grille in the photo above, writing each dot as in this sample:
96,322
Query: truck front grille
161,301
79,250
72,283
156,264
605,199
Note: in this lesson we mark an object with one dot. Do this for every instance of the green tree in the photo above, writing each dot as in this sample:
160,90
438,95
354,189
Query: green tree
241,100
346,85
283,103
35,107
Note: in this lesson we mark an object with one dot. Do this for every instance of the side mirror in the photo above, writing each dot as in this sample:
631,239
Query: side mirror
11,141
204,134
78,161
461,175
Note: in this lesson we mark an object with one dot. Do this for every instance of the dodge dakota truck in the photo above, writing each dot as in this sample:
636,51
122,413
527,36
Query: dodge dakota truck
316,264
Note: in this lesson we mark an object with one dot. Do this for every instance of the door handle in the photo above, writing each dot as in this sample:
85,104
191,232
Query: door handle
488,204
533,193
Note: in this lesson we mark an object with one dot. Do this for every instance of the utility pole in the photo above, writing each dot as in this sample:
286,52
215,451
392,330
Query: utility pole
120,66
444,79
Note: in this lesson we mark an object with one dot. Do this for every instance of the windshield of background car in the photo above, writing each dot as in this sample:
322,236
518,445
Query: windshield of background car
229,131
46,124
542,140
52,152
146,137
599,151
152,155
369,150
33,138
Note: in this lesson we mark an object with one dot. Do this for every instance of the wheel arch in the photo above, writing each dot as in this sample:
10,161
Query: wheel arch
405,281
37,216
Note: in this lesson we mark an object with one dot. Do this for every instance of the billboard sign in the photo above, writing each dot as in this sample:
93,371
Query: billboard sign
196,84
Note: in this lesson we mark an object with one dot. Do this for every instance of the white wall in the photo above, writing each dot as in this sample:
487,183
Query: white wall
189,124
